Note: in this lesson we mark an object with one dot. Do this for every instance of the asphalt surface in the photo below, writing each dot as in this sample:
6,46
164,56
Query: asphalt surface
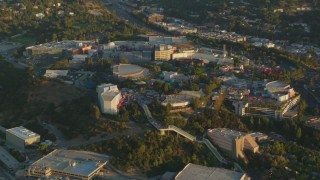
124,12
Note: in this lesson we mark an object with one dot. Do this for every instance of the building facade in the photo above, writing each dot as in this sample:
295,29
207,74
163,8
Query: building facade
20,137
233,142
163,52
110,98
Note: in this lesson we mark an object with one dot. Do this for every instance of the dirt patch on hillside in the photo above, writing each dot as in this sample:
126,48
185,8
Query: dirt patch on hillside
54,92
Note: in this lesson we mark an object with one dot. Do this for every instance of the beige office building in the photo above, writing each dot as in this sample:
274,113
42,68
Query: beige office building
233,142
20,137
163,52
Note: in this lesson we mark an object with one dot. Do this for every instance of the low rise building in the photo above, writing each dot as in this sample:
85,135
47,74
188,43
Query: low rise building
69,164
78,58
56,73
205,54
154,40
40,15
273,99
59,48
155,17
20,137
176,101
258,136
183,99
110,98
129,71
314,123
279,91
170,76
233,142
198,172
192,94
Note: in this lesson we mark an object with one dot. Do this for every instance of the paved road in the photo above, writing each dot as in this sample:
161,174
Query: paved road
124,12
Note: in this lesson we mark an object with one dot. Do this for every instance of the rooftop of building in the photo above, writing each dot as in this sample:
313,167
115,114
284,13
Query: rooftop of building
53,73
228,133
196,94
198,172
79,55
127,69
314,123
167,40
175,99
168,73
163,47
73,162
276,86
257,134
22,132
109,96
107,89
60,45
106,85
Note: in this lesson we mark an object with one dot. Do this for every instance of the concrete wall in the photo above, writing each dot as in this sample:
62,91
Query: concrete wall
237,148
110,107
19,143
164,55
14,141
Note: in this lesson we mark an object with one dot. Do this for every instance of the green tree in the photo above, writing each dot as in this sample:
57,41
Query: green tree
94,111
157,68
219,101
142,149
298,133
196,103
166,88
251,122
301,110
124,61
168,108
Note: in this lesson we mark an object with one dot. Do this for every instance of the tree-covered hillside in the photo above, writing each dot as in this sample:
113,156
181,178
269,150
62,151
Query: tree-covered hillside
56,20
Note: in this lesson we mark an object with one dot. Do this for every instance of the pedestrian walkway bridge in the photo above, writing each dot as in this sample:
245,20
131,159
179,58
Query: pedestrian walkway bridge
182,133
179,131
213,150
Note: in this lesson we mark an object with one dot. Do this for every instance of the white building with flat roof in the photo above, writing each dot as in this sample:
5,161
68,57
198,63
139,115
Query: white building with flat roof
110,98
56,73
19,137
78,58
69,164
